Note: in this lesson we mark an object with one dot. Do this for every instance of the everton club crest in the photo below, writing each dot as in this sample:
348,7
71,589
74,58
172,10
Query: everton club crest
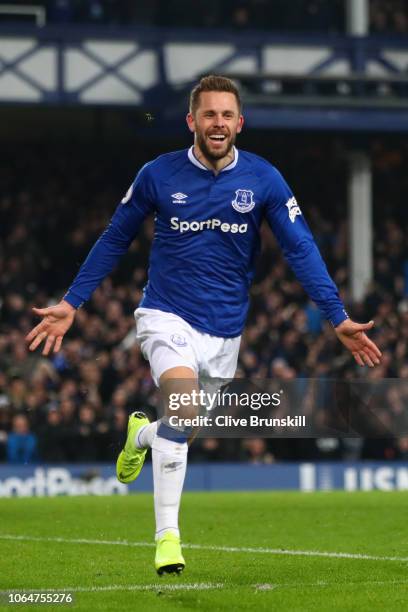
244,200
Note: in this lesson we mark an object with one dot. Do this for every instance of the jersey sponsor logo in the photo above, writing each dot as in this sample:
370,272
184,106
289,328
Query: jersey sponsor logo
210,224
293,209
179,198
178,340
128,195
244,200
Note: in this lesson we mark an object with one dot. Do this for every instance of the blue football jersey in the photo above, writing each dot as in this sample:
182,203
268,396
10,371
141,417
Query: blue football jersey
207,239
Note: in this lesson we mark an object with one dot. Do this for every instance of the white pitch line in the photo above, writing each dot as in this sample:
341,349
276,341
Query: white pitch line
324,583
189,586
203,586
298,553
228,549
74,540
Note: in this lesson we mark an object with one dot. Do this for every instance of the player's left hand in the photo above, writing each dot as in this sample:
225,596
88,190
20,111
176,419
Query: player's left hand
353,336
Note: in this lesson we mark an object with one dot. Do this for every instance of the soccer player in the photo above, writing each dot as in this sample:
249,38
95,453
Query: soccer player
208,202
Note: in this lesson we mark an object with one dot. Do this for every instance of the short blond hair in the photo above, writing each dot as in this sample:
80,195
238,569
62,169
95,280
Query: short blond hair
213,82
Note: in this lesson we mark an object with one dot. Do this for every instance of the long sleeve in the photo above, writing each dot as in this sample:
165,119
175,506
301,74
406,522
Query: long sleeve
295,238
114,241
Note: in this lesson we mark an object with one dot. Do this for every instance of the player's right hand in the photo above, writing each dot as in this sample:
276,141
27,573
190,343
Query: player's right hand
55,323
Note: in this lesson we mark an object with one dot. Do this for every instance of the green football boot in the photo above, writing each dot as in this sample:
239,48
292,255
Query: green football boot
131,458
168,555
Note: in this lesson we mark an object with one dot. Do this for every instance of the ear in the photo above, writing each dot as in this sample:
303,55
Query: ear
190,122
240,124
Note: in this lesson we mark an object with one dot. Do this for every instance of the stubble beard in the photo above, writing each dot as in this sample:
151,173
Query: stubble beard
214,155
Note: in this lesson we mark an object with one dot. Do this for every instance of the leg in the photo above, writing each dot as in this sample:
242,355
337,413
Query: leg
169,457
174,365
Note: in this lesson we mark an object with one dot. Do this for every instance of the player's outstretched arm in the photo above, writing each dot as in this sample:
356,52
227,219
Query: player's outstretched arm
353,336
56,321
104,255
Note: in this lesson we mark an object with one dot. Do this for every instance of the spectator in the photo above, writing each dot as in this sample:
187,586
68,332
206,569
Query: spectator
116,434
21,443
51,437
256,451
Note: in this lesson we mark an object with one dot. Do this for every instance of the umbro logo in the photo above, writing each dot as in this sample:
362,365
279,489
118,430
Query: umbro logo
179,198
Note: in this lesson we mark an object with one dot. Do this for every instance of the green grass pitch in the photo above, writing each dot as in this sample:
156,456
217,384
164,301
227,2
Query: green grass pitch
241,551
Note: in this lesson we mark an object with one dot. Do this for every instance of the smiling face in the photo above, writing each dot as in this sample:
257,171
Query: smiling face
215,123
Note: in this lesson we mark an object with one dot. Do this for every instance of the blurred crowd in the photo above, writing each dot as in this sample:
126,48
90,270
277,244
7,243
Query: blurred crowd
307,15
74,405
389,17
386,16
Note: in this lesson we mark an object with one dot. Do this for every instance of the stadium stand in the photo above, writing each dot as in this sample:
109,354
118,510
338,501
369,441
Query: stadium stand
313,15
48,221
328,16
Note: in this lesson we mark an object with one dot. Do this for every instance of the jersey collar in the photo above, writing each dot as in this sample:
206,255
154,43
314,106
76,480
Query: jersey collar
197,163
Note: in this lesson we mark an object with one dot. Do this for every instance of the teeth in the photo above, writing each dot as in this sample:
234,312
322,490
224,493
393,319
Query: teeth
217,137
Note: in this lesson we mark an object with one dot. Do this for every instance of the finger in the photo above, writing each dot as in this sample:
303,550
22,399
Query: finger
367,359
35,331
368,348
372,355
37,341
363,326
48,345
365,343
58,343
372,346
41,311
358,358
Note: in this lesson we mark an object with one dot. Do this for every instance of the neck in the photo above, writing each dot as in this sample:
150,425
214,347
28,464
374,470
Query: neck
216,165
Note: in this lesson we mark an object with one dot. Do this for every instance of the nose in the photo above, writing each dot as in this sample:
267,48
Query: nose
219,120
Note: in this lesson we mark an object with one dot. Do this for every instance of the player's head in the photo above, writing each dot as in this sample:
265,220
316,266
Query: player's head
215,115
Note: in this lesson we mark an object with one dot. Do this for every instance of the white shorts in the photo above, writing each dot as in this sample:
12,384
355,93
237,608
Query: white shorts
168,341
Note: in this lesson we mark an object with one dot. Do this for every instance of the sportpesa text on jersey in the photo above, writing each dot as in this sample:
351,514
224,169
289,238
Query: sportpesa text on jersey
207,239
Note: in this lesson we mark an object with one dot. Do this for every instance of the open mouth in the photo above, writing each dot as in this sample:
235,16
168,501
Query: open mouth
217,137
